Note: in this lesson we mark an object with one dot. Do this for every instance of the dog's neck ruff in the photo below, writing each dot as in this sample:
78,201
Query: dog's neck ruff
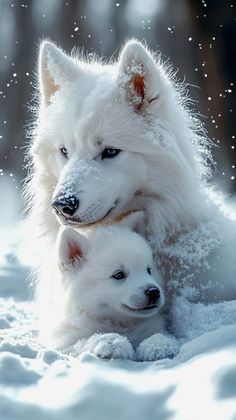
148,195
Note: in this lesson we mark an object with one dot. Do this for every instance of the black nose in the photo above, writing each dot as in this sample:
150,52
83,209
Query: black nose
153,294
66,205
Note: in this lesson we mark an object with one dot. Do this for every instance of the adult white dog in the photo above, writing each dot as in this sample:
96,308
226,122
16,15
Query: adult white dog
116,137
108,295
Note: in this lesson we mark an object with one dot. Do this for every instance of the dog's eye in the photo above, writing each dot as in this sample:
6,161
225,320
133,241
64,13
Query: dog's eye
149,271
64,152
110,152
118,275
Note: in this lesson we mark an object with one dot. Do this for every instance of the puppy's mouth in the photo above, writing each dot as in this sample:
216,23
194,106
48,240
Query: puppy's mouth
145,308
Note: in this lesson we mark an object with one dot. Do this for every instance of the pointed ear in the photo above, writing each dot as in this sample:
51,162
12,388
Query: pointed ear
72,248
134,221
55,69
139,75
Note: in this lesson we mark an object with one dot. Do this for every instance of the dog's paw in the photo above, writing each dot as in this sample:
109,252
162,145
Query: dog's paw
110,346
158,346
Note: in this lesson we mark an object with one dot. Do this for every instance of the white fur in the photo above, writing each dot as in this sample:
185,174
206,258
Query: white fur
93,311
162,167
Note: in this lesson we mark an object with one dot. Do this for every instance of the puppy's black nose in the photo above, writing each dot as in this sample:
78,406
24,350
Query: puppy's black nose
65,205
153,294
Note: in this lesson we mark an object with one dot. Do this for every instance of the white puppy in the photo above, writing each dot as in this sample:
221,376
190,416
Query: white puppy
108,295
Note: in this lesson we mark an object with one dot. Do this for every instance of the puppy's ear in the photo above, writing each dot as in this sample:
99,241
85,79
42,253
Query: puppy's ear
72,249
134,221
139,76
55,69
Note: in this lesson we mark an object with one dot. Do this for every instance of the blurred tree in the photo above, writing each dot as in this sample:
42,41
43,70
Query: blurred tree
215,28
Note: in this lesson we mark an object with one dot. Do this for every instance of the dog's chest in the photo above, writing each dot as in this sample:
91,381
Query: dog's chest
89,325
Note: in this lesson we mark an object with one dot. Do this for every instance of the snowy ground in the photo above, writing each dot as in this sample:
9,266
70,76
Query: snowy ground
37,383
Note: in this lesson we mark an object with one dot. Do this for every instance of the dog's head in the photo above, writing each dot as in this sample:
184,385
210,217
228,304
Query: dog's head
110,134
109,274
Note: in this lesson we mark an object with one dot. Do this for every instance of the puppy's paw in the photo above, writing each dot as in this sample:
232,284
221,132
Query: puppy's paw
158,346
110,346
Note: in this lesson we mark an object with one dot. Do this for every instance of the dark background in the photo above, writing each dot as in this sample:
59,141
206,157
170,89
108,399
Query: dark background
198,37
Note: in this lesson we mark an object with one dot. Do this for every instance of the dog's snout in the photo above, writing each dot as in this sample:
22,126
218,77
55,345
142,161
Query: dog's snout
153,294
66,205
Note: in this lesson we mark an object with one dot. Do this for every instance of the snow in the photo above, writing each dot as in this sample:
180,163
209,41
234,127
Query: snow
43,384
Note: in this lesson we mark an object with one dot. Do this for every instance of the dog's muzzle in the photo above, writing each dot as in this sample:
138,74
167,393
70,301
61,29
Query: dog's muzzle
65,205
153,294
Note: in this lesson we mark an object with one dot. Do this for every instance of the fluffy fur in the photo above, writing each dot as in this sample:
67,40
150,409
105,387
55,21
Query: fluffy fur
135,106
102,302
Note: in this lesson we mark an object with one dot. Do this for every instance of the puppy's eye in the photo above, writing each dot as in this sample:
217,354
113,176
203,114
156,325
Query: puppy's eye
64,151
149,271
118,275
110,152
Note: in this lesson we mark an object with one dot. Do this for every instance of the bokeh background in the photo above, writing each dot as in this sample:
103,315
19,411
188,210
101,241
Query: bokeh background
198,37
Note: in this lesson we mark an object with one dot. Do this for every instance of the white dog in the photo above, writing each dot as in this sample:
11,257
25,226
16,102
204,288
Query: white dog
108,296
118,137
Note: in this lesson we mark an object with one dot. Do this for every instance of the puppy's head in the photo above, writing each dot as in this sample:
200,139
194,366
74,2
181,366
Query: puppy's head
110,273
